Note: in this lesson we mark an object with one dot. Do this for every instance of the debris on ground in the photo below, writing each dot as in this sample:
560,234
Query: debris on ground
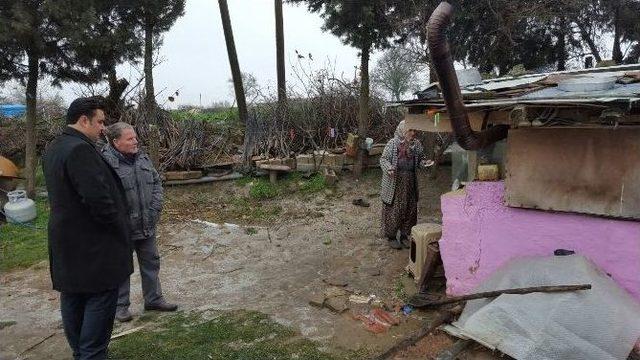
361,202
333,298
377,320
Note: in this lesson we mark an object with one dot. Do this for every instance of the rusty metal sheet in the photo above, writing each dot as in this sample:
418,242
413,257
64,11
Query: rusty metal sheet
590,171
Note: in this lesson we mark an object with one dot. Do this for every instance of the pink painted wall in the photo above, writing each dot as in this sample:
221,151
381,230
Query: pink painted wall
480,234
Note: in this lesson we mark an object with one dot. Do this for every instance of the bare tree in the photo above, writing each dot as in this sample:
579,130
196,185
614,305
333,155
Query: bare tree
396,73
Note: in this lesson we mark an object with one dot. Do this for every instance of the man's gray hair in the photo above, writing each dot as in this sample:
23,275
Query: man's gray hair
113,132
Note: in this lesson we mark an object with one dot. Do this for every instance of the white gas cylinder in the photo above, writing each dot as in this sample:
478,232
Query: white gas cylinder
19,209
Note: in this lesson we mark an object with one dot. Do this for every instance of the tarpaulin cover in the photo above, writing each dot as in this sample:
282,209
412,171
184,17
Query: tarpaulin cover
600,324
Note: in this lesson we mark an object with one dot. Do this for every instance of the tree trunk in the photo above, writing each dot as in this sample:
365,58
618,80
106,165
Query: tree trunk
561,46
634,55
31,141
433,76
114,101
235,74
616,55
363,110
282,85
150,95
584,34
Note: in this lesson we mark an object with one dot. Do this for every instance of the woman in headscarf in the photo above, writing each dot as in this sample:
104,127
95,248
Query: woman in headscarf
400,159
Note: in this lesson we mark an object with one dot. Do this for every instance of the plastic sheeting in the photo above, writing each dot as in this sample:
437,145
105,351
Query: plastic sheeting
600,324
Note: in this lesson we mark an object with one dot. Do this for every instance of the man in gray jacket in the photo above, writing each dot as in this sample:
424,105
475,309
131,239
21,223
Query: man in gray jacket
143,190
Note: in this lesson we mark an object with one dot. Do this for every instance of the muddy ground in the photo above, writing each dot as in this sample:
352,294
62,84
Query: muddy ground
271,256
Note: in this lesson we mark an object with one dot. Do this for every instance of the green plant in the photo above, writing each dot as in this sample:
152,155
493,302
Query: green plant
262,189
399,290
313,185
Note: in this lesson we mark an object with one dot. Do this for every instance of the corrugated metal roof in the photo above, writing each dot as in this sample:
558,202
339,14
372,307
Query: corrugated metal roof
541,89
618,91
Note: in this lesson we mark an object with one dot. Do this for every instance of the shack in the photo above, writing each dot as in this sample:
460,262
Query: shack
567,149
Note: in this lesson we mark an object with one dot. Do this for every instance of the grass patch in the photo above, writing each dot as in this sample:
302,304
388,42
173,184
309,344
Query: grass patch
231,335
313,185
262,189
22,245
248,208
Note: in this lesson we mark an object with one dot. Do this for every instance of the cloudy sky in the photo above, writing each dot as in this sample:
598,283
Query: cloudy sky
195,58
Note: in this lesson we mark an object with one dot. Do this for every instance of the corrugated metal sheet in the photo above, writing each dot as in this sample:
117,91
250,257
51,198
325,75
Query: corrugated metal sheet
508,84
618,91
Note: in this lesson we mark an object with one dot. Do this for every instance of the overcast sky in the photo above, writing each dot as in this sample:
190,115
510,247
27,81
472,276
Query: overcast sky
195,57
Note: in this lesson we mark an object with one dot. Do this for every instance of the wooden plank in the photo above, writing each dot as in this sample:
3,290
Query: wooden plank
182,175
203,180
271,167
589,171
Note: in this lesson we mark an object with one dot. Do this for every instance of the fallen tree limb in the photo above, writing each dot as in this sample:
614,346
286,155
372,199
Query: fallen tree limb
420,301
38,343
444,317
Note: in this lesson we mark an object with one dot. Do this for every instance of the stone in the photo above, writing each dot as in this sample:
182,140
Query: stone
338,304
317,300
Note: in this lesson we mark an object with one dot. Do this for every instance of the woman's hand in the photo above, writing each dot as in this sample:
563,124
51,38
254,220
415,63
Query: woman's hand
426,163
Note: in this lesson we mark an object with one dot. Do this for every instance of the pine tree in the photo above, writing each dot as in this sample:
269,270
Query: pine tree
34,42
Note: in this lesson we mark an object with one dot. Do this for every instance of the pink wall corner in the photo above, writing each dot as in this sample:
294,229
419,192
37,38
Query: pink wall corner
480,234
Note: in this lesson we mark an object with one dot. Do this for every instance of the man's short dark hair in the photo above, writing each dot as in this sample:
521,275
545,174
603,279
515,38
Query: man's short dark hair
84,106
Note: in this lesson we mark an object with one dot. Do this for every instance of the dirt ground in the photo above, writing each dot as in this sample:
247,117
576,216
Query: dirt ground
217,258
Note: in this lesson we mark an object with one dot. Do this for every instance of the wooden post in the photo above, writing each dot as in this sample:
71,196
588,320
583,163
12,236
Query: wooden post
472,169
273,176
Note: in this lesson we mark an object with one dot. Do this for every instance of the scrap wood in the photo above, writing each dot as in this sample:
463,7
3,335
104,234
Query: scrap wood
444,317
127,332
420,300
36,344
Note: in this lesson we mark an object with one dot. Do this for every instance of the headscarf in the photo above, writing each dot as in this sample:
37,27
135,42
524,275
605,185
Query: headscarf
399,134
403,146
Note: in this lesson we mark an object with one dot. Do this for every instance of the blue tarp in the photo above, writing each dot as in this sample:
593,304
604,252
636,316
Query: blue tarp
12,110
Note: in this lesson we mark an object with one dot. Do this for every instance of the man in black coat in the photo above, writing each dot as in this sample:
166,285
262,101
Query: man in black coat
89,245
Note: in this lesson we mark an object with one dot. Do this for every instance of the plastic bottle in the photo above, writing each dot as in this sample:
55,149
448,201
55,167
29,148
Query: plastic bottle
19,209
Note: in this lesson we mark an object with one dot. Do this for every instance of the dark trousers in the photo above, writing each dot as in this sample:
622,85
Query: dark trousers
149,265
88,320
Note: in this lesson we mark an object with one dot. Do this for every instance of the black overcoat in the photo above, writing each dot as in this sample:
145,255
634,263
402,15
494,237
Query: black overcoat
89,241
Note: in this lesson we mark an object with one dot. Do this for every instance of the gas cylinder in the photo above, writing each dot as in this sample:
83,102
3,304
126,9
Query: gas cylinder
19,209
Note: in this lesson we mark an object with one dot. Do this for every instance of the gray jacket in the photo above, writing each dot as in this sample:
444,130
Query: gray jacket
389,159
143,189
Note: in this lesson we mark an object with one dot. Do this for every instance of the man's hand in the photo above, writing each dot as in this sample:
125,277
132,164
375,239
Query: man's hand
391,171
